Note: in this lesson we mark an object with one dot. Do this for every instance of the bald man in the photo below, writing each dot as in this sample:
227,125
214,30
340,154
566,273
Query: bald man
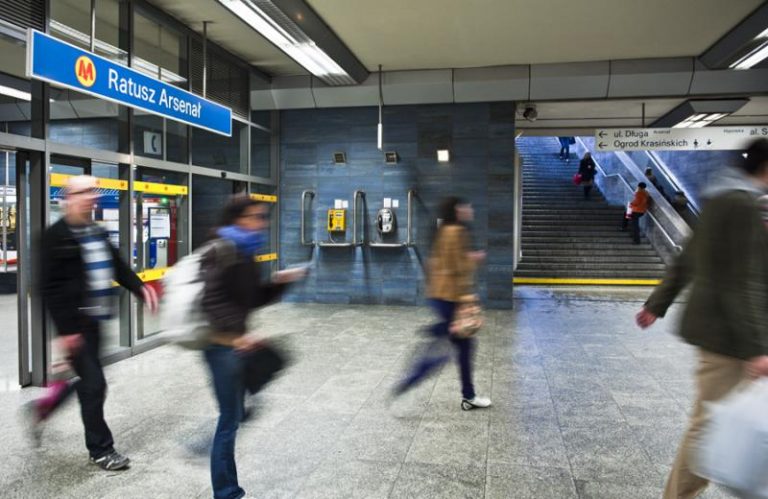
78,267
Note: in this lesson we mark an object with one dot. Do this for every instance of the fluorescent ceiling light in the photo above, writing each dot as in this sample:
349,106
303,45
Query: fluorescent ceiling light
754,56
700,120
443,155
289,38
15,93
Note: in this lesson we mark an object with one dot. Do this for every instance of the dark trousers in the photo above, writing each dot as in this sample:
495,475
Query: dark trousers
635,220
587,189
434,359
227,376
91,388
565,151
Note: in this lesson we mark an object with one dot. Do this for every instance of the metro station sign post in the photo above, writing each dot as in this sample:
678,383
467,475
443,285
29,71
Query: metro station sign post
58,62
711,138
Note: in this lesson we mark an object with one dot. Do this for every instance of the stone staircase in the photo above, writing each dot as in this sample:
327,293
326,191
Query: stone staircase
566,236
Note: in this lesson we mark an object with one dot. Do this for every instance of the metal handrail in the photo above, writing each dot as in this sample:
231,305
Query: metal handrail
662,167
409,238
358,194
304,195
672,242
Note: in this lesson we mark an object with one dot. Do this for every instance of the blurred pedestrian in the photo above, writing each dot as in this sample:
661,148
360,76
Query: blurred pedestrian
233,289
565,147
726,261
635,211
78,266
450,281
587,169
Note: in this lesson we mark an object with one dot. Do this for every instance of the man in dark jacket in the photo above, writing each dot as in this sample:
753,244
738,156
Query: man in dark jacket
726,261
78,267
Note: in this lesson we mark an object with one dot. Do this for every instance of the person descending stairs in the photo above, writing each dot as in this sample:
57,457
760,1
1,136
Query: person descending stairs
565,236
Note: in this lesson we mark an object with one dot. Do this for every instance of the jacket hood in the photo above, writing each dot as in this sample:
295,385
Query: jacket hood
731,180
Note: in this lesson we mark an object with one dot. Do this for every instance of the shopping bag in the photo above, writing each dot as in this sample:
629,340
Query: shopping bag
733,449
261,365
577,179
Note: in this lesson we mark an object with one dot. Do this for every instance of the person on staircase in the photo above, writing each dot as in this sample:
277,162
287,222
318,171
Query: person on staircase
587,171
565,147
637,208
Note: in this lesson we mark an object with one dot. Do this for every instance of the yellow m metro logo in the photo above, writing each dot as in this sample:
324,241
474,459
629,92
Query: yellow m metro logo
85,71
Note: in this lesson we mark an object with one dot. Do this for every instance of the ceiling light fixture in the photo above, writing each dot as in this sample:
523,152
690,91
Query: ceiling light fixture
266,18
755,53
443,155
699,113
15,93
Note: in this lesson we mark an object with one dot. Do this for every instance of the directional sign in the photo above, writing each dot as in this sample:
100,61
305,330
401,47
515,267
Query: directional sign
712,138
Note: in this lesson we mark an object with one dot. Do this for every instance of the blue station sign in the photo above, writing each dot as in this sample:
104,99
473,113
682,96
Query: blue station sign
65,65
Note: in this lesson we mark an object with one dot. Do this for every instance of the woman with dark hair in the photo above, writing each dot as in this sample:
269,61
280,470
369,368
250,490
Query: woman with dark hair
450,281
233,289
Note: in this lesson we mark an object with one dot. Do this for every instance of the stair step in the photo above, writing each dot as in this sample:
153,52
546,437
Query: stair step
545,251
530,259
589,268
594,274
559,240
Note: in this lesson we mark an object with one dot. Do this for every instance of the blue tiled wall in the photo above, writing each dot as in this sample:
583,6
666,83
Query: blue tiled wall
481,140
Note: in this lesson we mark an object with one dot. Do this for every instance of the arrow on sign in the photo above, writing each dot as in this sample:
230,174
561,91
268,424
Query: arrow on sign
709,142
602,134
696,143
602,145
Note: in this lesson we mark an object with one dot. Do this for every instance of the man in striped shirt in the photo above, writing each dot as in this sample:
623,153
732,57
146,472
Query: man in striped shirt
78,266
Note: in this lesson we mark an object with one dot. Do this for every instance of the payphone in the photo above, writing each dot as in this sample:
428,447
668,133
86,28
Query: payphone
337,220
386,223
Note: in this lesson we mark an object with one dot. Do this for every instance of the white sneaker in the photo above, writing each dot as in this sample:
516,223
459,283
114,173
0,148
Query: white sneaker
475,403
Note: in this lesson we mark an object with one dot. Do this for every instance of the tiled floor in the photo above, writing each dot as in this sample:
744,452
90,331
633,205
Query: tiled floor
585,406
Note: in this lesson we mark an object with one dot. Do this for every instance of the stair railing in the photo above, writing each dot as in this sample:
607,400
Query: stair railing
678,249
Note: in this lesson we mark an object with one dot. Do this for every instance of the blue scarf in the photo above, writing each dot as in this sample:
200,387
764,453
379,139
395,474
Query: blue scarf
247,242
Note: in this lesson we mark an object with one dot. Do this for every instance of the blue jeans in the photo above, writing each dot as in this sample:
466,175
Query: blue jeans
429,363
226,373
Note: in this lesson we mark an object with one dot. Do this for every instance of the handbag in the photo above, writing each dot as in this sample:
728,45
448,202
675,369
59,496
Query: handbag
468,317
260,366
577,179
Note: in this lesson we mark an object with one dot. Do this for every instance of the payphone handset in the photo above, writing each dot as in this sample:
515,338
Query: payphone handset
337,220
385,221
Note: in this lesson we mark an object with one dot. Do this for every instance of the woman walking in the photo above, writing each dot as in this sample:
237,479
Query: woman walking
234,288
450,280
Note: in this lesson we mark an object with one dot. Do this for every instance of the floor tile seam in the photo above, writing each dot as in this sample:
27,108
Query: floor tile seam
494,349
559,426
413,438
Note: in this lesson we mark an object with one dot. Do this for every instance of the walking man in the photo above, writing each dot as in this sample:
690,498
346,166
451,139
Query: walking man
726,261
78,268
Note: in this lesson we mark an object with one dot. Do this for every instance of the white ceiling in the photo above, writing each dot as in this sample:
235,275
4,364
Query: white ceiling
427,34
420,34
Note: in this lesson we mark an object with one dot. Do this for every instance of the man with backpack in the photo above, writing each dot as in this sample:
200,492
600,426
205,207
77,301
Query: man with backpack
78,266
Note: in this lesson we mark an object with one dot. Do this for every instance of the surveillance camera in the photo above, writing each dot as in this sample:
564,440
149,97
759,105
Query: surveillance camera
530,113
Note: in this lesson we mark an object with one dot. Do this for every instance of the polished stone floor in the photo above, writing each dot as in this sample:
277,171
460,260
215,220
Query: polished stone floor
585,406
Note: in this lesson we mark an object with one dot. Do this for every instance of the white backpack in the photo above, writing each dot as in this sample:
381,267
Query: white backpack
181,314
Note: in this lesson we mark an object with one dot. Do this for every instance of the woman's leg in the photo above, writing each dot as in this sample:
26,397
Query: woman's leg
434,357
464,347
226,375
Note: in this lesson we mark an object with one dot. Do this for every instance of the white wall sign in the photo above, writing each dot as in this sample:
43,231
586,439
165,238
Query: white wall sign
712,138
153,143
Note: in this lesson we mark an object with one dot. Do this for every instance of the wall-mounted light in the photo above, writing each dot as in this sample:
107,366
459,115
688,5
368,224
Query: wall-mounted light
443,155
755,53
391,157
15,93
339,158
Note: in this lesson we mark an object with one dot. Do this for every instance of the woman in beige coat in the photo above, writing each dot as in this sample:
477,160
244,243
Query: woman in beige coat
451,278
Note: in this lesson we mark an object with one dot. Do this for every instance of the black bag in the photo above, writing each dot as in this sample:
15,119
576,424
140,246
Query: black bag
260,366
571,140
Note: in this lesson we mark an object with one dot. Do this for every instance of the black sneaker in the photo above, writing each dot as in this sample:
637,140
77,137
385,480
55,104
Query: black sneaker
111,462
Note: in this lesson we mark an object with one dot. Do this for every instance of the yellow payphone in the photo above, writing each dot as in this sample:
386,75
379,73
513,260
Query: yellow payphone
337,220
